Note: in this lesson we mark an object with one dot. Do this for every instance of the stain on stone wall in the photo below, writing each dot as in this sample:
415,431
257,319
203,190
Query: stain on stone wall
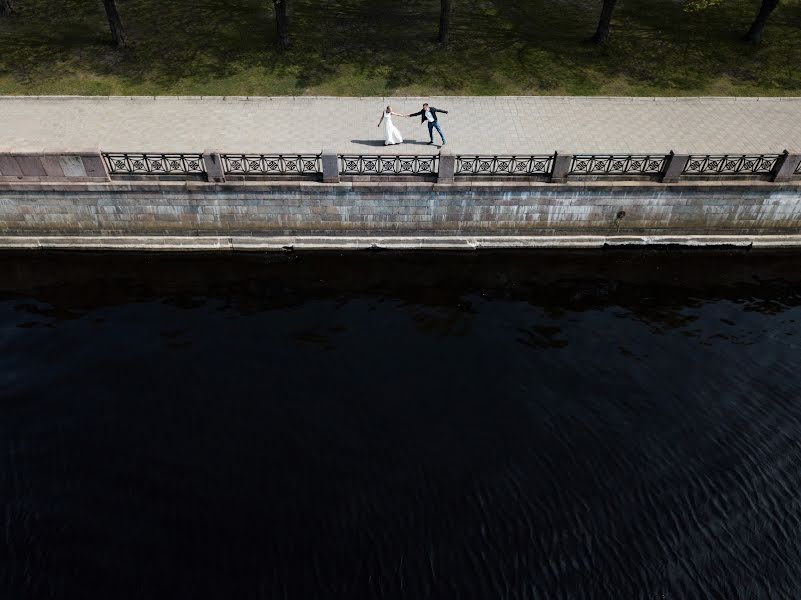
138,208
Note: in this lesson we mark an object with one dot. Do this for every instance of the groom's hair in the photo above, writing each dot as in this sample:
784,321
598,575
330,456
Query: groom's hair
425,104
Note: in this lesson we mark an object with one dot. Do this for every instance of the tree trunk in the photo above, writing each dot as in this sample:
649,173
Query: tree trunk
5,7
281,23
602,33
754,34
445,11
118,37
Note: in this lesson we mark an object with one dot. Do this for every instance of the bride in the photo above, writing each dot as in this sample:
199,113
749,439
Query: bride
391,134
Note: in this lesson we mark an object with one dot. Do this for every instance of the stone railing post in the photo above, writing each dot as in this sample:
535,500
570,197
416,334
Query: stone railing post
674,167
94,165
42,166
330,165
786,166
561,167
214,167
447,167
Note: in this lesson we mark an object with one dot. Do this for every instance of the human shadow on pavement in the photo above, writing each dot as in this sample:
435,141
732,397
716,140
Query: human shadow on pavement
368,142
380,143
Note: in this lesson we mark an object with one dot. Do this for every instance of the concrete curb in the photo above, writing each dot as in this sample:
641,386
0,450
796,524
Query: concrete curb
285,243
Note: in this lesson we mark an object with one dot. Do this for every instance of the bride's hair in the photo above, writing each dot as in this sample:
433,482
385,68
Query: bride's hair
389,109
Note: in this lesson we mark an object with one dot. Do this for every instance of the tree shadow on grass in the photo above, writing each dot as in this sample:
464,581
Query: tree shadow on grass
169,41
655,43
354,47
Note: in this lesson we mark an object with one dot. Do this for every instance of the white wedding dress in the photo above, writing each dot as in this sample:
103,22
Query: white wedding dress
391,133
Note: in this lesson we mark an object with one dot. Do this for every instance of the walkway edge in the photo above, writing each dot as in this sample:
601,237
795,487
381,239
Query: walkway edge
288,243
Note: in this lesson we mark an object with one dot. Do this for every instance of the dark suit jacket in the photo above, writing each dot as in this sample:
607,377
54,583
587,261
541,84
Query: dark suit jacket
433,111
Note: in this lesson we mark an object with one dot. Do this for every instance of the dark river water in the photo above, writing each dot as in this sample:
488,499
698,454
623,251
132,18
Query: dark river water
614,424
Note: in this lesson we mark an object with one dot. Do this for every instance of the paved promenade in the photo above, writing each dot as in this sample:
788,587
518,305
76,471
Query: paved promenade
487,125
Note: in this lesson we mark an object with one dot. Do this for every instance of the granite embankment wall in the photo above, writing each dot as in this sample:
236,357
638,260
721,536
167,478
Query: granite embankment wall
79,200
139,208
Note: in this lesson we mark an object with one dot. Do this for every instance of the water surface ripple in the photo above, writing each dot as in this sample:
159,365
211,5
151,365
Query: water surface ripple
496,425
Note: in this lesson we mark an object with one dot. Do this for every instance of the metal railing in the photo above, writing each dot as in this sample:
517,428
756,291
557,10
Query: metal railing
618,164
730,164
541,164
379,164
329,166
271,164
153,163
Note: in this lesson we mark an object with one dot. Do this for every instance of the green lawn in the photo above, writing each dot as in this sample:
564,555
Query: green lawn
383,47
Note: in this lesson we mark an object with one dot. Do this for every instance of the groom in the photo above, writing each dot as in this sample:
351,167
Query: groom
430,114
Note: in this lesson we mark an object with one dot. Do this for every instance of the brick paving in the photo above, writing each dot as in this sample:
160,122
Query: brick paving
485,125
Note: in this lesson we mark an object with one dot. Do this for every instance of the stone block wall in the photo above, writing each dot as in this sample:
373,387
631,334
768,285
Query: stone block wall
304,208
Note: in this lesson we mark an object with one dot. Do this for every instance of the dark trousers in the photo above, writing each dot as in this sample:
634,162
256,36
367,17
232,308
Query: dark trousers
432,125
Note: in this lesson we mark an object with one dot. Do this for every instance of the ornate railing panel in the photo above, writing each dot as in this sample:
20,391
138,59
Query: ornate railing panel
153,163
504,165
362,164
192,165
271,164
617,164
730,164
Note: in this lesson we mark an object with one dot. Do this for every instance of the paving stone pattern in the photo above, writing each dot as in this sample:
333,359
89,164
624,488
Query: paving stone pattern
474,125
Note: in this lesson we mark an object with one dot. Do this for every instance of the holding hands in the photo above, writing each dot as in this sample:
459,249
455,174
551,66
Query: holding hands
426,114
